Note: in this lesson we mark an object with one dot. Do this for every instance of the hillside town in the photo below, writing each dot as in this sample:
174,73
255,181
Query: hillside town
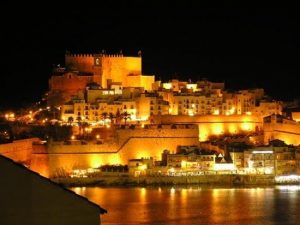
102,116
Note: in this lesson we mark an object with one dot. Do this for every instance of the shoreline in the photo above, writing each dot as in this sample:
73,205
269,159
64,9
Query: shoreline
205,180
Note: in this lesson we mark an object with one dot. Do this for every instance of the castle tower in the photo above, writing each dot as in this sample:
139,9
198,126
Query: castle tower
97,69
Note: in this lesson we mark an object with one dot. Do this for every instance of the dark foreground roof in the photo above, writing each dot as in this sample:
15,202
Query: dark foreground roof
44,179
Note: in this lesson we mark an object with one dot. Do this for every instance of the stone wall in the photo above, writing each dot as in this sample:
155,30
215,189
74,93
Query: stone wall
19,151
82,62
128,144
289,133
118,68
215,124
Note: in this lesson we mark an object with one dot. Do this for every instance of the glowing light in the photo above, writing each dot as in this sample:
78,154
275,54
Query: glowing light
249,113
190,112
252,140
289,187
268,170
95,161
232,128
287,179
143,167
143,125
143,192
224,166
203,132
217,129
172,190
10,116
114,160
72,137
167,85
133,117
216,112
142,118
250,164
83,172
171,170
97,136
262,152
107,126
183,164
246,126
191,86
63,118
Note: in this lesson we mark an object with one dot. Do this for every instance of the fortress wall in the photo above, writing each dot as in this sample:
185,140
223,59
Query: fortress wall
118,68
216,124
63,87
147,82
139,81
40,164
82,62
130,81
289,133
134,148
165,131
70,84
78,148
118,65
135,144
19,151
207,119
153,147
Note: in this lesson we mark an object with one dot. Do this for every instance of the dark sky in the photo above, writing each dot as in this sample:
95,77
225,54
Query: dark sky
245,47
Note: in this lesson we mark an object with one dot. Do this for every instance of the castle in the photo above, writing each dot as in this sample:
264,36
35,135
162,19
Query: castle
103,69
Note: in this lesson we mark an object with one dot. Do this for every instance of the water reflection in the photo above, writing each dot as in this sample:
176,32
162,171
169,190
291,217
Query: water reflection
197,205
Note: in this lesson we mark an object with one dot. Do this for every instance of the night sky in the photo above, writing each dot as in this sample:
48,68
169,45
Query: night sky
246,48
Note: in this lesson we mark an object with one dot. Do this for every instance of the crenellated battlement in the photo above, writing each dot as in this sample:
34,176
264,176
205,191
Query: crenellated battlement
112,55
79,55
94,55
102,54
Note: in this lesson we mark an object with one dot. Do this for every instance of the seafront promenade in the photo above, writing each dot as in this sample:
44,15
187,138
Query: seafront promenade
125,180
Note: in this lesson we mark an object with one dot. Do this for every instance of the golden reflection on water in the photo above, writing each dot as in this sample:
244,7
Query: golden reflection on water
195,205
172,191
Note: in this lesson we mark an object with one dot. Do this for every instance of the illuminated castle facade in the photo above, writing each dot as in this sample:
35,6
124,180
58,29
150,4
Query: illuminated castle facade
108,71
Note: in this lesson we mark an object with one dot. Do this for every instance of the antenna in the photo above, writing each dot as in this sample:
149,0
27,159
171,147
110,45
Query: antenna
139,53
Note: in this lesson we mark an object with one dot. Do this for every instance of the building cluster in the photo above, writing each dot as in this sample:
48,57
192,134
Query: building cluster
91,87
279,161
